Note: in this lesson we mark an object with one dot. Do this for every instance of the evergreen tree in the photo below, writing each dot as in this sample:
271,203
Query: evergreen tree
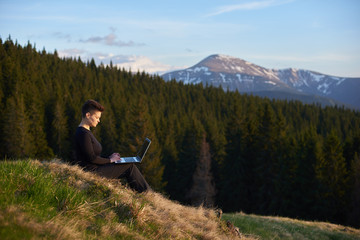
332,174
354,207
236,173
170,160
37,129
188,156
203,189
109,136
304,183
17,137
60,134
217,140
265,169
283,163
141,128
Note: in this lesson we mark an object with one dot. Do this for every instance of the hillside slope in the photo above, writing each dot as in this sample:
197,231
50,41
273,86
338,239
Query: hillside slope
58,201
53,200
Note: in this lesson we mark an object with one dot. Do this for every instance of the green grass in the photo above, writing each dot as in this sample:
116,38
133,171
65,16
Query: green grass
260,227
36,190
31,195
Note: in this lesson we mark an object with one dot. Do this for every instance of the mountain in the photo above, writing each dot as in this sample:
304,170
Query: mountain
237,74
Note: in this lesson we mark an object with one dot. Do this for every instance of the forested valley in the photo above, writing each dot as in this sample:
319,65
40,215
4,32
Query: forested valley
220,149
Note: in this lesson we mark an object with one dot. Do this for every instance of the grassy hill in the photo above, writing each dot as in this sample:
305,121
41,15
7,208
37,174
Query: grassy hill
53,200
264,227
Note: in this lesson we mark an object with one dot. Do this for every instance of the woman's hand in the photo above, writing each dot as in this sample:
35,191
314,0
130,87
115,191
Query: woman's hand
114,157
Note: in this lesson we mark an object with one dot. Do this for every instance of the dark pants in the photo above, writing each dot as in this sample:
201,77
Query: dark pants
129,171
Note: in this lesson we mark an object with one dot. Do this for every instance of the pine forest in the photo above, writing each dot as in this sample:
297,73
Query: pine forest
210,147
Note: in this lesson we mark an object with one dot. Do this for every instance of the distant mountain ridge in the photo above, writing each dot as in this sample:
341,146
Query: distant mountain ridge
237,74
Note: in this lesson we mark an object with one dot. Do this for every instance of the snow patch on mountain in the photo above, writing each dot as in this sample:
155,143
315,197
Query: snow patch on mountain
199,69
222,77
270,82
317,77
324,88
239,77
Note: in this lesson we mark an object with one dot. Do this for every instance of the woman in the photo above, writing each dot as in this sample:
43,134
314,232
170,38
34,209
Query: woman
88,151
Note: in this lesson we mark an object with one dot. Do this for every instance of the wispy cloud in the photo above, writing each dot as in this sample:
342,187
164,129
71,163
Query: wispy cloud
111,40
254,5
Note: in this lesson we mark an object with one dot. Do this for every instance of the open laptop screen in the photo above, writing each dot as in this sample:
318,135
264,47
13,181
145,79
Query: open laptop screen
144,148
140,155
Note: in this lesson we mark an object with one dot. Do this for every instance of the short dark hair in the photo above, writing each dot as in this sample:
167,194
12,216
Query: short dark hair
90,106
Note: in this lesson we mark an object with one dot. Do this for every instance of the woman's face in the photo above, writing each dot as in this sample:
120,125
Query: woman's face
94,118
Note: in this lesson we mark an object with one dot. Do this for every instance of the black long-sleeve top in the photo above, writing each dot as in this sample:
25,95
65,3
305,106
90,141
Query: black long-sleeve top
88,149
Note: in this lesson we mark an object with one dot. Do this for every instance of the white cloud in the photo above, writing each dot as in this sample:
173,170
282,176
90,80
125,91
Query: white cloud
249,6
146,64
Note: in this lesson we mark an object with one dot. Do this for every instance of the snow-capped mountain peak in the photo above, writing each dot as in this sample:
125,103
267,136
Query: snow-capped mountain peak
228,64
228,72
237,74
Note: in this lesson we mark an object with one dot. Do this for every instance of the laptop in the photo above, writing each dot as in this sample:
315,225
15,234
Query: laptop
140,155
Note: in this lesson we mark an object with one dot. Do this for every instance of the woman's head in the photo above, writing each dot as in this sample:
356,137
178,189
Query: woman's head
91,112
90,106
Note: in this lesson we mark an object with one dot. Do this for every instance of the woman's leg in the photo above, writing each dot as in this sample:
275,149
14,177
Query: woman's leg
132,174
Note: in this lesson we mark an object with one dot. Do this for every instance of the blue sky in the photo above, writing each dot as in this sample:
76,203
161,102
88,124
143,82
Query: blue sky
158,36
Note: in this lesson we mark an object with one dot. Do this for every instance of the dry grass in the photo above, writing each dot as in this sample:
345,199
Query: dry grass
139,216
172,220
185,221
